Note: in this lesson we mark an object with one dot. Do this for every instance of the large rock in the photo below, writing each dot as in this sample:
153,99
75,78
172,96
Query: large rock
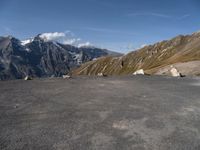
139,72
174,72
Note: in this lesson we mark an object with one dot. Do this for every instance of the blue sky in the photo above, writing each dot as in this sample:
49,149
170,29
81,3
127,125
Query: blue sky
120,25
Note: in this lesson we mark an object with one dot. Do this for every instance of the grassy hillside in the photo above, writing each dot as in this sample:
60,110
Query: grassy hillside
150,58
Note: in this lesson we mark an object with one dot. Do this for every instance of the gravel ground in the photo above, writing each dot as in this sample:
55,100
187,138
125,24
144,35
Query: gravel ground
91,113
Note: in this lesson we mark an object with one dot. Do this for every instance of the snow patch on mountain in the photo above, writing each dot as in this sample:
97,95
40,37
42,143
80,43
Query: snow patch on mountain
24,42
27,49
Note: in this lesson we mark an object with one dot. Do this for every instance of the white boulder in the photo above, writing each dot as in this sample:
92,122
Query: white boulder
139,72
66,77
174,72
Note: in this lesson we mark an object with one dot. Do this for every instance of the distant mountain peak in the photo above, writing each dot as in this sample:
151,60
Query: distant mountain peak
36,38
39,57
9,37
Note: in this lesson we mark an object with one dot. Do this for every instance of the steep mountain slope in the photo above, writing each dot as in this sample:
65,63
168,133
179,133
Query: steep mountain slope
150,58
13,58
39,58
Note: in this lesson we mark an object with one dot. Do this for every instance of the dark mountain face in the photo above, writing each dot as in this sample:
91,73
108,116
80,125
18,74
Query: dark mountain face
42,59
13,58
47,58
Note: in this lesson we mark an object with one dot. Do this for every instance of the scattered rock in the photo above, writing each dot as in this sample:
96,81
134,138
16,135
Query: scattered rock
101,75
139,72
66,77
28,78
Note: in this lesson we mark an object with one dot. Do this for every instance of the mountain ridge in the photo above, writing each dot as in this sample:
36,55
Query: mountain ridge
182,48
39,58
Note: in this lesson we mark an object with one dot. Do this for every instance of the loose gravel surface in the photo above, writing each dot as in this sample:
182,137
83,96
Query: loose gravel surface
105,113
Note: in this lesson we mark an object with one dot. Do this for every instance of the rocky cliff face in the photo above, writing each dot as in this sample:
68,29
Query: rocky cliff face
150,58
39,58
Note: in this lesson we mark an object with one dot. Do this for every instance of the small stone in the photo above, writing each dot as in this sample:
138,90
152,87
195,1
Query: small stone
101,75
27,78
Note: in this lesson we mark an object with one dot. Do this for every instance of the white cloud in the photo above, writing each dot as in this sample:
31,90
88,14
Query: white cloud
109,31
159,15
150,14
143,45
7,29
184,16
87,44
52,36
64,38
72,41
130,46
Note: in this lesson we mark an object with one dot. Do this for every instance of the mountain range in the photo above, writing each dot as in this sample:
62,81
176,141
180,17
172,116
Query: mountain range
182,51
37,57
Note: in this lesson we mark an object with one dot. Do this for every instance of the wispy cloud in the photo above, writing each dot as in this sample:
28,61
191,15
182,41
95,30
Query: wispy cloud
131,47
160,15
184,16
7,29
108,31
105,3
